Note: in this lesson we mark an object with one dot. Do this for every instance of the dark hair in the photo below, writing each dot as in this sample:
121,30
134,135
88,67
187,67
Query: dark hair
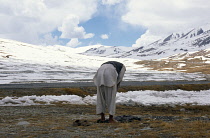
118,66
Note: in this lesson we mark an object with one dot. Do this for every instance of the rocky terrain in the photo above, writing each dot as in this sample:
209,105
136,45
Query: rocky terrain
190,62
58,121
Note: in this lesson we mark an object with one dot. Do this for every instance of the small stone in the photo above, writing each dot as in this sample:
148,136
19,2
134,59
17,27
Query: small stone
182,110
146,128
23,123
81,123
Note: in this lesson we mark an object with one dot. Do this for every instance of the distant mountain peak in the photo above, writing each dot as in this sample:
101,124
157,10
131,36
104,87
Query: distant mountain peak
186,41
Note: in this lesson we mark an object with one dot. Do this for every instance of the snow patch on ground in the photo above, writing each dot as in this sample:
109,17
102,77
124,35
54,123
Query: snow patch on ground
131,98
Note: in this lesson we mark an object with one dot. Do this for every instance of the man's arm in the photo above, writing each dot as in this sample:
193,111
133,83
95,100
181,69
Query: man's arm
121,74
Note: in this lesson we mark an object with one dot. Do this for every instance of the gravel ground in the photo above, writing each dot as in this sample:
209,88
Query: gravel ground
57,121
42,121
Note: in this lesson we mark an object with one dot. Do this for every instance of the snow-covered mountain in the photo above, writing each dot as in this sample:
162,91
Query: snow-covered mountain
202,56
107,51
187,41
26,63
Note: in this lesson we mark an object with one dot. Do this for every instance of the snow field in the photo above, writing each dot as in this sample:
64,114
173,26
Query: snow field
131,98
36,64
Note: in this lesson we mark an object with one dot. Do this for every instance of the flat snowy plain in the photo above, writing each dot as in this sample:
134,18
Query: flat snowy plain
46,64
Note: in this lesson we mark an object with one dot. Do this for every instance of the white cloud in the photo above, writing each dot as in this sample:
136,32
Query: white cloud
74,42
146,39
70,28
89,35
29,20
48,39
162,17
111,2
104,36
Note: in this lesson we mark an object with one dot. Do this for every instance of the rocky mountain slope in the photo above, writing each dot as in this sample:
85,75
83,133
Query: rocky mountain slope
190,62
187,41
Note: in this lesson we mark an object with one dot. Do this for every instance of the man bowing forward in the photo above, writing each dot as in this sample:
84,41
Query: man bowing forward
107,79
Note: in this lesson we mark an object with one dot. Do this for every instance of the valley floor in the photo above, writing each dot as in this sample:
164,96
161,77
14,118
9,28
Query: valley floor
57,121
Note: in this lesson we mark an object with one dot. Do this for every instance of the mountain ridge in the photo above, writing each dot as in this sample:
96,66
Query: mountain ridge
191,40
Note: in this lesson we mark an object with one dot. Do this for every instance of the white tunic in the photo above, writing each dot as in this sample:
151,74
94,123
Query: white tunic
106,80
107,75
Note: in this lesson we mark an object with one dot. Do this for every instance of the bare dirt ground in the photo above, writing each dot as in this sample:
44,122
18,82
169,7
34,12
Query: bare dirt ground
57,120
192,66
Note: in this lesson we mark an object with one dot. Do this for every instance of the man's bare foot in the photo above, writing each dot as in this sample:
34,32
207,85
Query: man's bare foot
103,117
112,121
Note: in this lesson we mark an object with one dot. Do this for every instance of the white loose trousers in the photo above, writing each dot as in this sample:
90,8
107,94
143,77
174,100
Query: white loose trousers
106,98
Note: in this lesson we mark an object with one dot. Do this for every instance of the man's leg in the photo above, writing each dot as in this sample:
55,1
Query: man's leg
101,105
110,94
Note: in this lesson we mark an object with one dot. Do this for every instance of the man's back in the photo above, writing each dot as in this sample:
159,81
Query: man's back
106,75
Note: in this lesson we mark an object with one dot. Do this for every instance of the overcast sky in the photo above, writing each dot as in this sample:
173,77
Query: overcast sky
107,22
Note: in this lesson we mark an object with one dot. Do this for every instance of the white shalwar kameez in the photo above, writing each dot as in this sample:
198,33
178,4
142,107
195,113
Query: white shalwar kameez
106,80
